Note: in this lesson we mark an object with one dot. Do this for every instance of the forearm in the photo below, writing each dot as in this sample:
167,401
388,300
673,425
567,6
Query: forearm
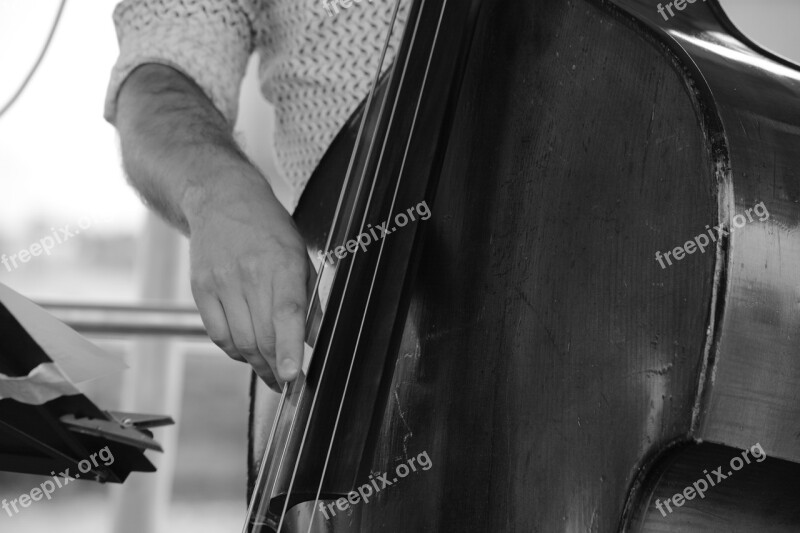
177,149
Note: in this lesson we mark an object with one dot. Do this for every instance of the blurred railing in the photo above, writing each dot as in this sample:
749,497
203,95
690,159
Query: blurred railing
129,320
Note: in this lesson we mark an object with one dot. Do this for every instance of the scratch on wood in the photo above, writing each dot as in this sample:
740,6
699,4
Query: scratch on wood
409,433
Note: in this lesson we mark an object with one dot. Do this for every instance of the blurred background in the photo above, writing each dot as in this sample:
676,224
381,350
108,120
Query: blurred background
59,165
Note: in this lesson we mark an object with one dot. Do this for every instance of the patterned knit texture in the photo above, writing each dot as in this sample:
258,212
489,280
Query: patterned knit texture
314,68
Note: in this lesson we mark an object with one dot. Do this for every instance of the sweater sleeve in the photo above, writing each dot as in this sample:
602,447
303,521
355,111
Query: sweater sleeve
210,41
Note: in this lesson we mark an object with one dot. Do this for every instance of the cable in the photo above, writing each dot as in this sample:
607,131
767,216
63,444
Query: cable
35,67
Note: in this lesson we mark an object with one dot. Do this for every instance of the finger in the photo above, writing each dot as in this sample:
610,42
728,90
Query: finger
289,319
260,306
240,325
216,325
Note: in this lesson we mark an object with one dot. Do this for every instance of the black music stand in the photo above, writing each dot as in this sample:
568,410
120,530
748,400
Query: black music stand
46,425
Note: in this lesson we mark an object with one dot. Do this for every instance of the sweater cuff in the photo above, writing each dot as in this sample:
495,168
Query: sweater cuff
210,42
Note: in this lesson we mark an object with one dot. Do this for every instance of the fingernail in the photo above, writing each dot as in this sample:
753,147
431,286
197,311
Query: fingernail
287,369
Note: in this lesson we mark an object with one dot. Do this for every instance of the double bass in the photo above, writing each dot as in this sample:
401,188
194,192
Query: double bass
523,353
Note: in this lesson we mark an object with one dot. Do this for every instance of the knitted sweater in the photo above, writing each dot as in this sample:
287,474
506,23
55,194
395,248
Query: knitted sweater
317,60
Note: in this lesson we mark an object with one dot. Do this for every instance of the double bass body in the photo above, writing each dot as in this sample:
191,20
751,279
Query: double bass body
542,359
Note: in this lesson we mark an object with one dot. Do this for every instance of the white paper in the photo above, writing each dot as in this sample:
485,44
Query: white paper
44,383
77,359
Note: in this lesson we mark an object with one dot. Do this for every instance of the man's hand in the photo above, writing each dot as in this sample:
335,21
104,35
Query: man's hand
249,275
249,264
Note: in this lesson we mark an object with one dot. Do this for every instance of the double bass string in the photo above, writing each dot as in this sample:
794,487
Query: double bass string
262,469
391,212
340,203
330,237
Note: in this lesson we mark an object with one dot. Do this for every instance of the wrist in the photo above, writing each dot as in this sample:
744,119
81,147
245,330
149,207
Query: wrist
224,186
